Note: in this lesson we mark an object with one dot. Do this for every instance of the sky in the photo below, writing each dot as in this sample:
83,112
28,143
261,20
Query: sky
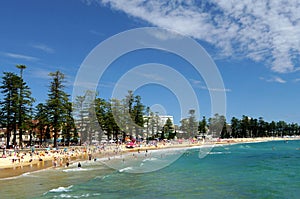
255,46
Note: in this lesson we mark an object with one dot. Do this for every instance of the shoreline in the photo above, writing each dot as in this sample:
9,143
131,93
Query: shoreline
41,160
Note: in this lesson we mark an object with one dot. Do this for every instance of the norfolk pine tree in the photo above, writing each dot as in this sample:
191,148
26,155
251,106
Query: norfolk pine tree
56,103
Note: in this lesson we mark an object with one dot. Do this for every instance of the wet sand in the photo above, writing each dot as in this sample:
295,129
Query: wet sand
19,170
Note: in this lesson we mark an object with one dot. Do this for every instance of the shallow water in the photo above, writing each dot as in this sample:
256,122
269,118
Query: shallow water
256,170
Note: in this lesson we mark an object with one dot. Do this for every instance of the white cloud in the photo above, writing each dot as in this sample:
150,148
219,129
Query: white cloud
274,79
94,32
196,82
199,84
297,80
262,30
43,47
40,73
153,77
21,56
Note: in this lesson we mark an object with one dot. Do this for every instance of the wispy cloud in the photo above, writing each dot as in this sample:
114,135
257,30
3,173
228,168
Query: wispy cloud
40,73
43,47
88,2
215,89
21,56
151,76
264,31
297,80
199,84
94,32
196,82
274,79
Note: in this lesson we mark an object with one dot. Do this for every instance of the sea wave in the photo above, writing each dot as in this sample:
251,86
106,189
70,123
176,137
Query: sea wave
102,177
219,152
60,189
125,169
10,178
150,159
87,195
245,146
79,169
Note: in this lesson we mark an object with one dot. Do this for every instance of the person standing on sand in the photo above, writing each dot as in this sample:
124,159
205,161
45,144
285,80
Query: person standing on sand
79,165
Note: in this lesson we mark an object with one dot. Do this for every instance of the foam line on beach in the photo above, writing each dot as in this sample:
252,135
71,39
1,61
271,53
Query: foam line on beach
119,152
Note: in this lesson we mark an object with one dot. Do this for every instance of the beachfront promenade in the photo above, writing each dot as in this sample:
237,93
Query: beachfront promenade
18,160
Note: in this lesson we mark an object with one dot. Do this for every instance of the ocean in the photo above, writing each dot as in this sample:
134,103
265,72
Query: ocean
248,170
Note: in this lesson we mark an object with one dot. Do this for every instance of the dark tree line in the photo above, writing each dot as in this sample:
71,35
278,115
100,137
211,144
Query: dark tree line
46,120
16,105
246,127
114,118
90,117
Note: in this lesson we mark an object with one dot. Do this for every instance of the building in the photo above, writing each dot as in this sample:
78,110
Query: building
164,118
154,124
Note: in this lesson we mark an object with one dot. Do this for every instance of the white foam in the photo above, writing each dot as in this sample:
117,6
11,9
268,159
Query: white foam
29,174
65,196
61,189
219,152
245,146
72,196
150,159
125,169
11,178
77,169
102,177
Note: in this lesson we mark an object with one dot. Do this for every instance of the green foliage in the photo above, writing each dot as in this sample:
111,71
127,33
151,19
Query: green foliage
202,127
9,105
15,106
168,130
95,116
68,126
42,121
252,127
57,103
190,125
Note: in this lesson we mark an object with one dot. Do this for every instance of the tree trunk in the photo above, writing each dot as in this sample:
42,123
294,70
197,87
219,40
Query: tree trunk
8,134
55,138
30,137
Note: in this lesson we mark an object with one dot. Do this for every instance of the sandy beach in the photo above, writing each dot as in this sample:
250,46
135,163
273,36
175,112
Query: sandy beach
15,163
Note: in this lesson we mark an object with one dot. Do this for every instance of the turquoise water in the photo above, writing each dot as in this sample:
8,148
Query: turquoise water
254,170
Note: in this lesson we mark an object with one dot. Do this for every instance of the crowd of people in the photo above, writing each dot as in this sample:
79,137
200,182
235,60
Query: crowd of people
12,158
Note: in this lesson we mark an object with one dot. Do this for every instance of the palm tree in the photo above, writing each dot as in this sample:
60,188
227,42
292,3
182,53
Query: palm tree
25,102
20,100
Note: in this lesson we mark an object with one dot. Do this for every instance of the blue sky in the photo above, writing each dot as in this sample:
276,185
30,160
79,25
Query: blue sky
255,45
